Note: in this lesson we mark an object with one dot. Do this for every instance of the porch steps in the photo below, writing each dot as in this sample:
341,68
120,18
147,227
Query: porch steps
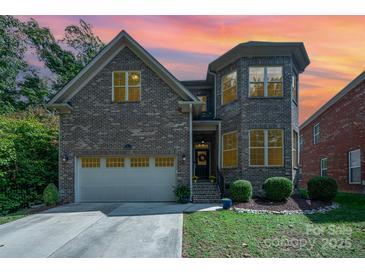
206,192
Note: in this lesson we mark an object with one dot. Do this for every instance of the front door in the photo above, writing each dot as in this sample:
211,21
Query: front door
202,163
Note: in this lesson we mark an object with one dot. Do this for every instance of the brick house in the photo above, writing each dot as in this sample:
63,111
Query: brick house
333,139
130,131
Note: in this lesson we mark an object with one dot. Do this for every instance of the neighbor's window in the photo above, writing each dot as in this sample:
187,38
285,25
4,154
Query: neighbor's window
294,88
266,147
114,162
203,99
266,81
230,150
126,86
140,162
355,167
295,149
324,163
164,161
229,87
301,142
90,162
316,134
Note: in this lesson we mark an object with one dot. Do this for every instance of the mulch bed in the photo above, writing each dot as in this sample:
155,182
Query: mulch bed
293,203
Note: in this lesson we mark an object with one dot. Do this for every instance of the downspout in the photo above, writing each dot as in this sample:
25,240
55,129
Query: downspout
191,149
214,92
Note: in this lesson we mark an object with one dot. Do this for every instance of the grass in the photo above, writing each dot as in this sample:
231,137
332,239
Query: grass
12,217
338,233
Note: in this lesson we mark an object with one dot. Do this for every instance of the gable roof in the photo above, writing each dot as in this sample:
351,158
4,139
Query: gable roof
353,84
122,40
258,48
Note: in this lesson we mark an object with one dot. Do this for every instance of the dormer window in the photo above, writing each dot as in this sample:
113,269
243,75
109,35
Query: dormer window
266,81
126,86
229,88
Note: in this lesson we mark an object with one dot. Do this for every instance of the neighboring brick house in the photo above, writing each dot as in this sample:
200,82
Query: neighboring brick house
333,139
130,131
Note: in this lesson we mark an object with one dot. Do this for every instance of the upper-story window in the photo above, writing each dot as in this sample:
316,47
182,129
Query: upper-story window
316,134
266,81
203,99
229,88
266,147
126,86
355,167
294,88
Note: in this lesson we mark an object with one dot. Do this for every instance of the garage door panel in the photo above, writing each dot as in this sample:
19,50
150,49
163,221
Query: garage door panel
126,183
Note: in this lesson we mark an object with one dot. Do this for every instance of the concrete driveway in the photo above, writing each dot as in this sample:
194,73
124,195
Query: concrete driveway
94,230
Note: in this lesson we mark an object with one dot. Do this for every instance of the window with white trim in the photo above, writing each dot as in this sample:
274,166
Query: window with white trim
324,165
316,134
266,147
126,86
301,142
355,167
266,81
294,88
295,149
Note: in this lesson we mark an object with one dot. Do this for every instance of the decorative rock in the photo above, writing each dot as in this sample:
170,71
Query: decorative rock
288,212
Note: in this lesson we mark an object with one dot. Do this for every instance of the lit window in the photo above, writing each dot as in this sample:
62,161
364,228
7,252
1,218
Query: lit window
140,162
126,86
114,162
295,149
324,164
203,99
229,88
316,134
230,150
355,167
294,87
266,147
164,161
90,162
266,81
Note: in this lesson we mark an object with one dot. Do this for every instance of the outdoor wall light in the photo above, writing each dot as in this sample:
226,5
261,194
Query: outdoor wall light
183,157
65,158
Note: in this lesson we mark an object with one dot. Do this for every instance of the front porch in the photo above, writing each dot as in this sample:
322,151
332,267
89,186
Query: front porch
206,161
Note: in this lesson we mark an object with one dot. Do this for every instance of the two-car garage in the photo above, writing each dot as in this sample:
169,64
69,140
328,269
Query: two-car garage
125,179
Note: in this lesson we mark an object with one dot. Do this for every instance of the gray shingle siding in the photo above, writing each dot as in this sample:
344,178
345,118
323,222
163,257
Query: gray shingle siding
97,126
249,113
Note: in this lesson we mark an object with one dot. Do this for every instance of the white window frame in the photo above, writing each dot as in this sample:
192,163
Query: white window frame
301,142
324,169
226,133
222,103
296,165
127,86
351,167
266,82
315,134
266,148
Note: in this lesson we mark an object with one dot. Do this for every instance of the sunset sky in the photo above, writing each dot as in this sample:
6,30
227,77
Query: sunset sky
187,44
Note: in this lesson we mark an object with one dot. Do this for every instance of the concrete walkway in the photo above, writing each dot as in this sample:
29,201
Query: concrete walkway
96,230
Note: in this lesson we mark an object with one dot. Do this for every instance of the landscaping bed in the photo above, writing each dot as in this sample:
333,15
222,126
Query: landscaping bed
294,203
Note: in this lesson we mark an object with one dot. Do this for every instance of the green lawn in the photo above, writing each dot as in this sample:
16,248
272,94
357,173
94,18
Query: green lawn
338,233
12,217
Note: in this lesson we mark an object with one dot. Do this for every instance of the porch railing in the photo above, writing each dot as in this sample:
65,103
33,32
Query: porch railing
220,182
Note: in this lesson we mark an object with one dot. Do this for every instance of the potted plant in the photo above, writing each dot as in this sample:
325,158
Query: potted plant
182,193
212,178
195,178
227,203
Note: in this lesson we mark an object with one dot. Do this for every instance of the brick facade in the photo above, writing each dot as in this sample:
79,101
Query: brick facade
257,113
97,126
342,129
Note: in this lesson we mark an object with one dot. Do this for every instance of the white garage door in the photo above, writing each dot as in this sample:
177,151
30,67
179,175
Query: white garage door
130,179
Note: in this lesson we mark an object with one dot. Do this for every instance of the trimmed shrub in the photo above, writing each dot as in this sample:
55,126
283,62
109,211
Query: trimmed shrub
241,191
322,188
182,193
278,188
50,195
